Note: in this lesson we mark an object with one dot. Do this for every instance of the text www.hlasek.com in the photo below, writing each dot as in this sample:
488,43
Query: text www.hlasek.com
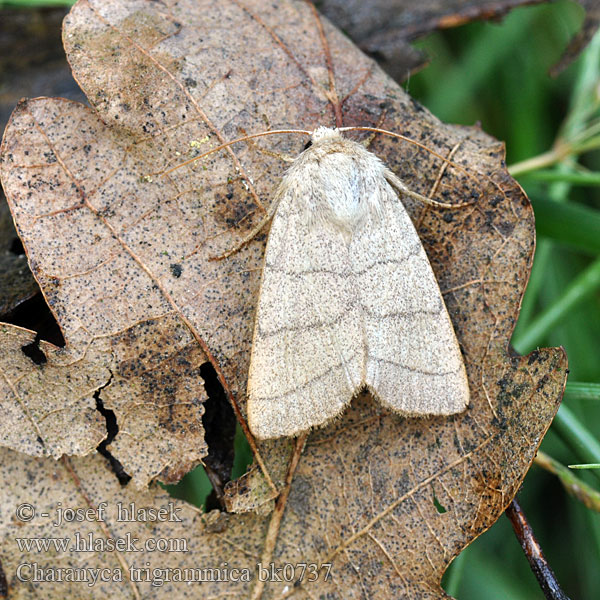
91,543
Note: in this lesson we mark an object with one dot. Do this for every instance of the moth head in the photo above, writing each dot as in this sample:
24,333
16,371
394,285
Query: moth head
325,134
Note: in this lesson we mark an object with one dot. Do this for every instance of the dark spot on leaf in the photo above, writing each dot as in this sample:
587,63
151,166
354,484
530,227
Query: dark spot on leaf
416,105
457,443
403,482
542,382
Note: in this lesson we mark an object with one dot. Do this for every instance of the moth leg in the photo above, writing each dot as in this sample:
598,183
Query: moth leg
443,168
248,238
368,141
401,187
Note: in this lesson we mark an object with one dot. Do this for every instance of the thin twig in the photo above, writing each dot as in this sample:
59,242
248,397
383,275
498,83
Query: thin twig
277,516
217,484
531,547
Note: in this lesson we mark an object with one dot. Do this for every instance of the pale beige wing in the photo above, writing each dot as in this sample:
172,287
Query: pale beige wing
414,364
308,352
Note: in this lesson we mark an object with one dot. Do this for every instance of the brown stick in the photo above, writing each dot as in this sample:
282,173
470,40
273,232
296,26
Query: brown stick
277,516
531,547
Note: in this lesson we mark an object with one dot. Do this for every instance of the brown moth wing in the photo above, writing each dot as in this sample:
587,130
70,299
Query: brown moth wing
414,362
348,299
307,351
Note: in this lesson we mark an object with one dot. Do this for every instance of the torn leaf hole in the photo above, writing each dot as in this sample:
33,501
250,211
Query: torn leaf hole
219,425
34,352
112,429
229,453
438,505
16,247
35,315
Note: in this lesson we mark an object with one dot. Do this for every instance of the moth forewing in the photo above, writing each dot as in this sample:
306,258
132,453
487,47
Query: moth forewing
348,300
414,362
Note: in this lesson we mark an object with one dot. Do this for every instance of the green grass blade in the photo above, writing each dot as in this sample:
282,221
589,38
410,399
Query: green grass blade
454,89
580,288
582,391
576,436
568,223
572,177
575,486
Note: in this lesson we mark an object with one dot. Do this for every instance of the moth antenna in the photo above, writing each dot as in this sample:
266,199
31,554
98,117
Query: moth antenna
230,143
396,181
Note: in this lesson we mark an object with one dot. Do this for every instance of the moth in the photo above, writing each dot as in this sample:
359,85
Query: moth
348,299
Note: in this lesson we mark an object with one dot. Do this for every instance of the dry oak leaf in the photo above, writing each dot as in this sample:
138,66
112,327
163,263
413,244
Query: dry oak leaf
174,79
32,63
124,342
180,536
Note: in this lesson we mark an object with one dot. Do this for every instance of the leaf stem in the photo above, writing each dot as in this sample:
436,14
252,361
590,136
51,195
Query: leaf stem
533,551
585,493
576,436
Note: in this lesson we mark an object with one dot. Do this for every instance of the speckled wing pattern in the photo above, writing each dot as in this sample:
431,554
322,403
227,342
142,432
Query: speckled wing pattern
413,361
348,300
308,346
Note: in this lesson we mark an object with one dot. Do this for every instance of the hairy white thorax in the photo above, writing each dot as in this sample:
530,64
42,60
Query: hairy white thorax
338,181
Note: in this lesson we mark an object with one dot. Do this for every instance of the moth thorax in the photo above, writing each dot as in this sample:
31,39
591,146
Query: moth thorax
349,193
